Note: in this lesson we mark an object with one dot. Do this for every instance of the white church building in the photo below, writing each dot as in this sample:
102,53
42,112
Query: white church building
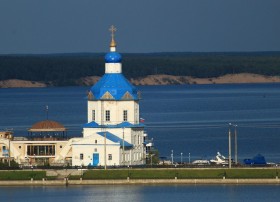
113,136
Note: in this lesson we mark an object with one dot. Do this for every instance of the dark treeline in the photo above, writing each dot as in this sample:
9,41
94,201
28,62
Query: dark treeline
64,69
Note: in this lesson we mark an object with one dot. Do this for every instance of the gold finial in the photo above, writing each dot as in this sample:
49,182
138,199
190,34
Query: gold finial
113,29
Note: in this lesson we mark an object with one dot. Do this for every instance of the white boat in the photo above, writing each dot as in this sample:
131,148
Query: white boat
219,159
201,162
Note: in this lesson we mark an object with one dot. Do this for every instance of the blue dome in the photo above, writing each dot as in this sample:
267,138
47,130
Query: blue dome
116,85
113,57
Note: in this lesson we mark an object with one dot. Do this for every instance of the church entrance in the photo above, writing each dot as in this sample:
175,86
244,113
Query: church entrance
95,159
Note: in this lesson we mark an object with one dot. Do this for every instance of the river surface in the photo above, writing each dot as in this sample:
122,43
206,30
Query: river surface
188,119
138,193
192,120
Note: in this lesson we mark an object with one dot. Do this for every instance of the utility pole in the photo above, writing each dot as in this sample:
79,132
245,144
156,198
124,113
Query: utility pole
105,156
123,146
9,159
235,144
229,146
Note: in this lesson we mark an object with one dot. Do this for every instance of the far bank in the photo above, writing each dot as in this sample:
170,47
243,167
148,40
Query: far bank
154,80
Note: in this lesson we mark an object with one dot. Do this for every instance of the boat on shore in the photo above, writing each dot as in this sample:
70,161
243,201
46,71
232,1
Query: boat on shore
258,160
219,160
201,162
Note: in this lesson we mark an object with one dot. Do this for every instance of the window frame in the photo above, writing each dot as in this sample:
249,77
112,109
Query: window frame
93,115
125,115
107,115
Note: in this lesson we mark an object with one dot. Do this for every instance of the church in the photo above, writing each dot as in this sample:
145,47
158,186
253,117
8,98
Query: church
113,136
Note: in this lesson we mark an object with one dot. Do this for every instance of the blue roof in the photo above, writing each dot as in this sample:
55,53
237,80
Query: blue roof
114,138
116,85
113,57
93,124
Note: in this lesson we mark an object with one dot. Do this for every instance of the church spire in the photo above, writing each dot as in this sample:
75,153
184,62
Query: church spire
113,44
113,58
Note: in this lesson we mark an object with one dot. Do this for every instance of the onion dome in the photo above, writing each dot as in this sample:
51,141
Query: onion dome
113,85
47,125
113,57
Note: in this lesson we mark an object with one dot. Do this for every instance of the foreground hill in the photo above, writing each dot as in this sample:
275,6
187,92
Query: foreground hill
157,80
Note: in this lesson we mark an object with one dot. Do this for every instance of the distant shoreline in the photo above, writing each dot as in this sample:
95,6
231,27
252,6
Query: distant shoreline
155,80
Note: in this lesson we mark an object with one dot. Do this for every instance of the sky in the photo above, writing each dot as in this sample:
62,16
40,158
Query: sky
143,26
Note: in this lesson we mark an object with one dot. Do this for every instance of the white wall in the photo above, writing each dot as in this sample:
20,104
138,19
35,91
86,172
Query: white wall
113,68
116,111
89,149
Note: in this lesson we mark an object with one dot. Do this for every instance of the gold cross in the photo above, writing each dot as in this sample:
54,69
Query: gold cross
113,29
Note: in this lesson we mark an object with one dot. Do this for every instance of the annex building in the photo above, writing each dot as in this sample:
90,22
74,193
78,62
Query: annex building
113,136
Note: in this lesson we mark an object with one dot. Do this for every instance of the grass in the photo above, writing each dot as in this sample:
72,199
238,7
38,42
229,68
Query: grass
22,175
255,173
179,173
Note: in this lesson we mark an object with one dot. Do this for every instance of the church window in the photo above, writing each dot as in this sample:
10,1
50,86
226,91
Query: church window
107,115
95,149
95,141
19,147
124,115
60,146
110,157
81,156
93,115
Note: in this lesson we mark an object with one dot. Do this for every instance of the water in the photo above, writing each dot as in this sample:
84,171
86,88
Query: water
188,119
138,193
194,119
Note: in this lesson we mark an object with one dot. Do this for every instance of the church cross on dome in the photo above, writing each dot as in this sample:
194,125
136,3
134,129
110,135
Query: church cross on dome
113,29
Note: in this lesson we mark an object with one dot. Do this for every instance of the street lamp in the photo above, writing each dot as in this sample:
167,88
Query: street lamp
189,158
181,158
172,156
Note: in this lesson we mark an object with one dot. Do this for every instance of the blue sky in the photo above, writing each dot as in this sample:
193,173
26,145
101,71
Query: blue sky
67,26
